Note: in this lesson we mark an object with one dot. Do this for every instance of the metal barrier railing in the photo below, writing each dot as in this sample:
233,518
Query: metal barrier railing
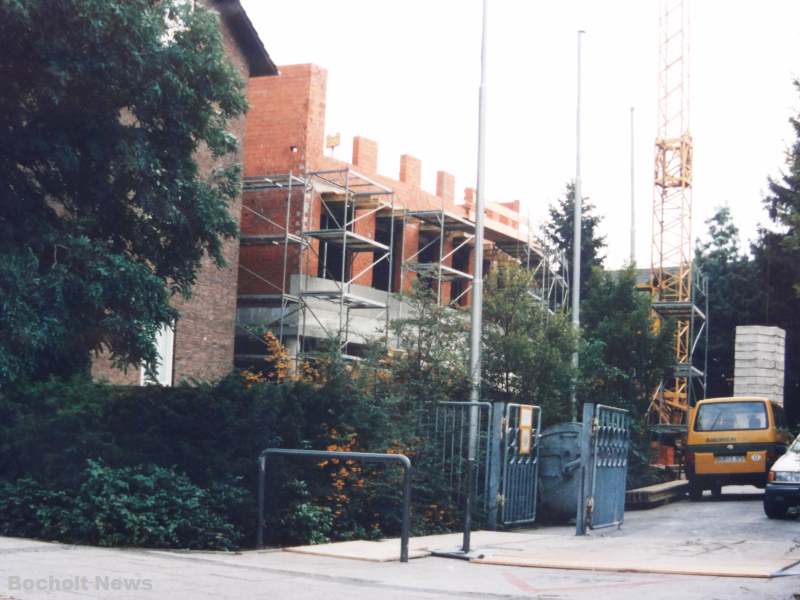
363,457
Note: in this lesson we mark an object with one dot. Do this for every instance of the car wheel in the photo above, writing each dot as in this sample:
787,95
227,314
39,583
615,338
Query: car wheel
695,491
775,510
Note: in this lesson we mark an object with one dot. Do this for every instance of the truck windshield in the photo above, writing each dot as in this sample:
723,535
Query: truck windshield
731,416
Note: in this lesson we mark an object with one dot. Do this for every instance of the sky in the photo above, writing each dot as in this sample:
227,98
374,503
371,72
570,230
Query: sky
406,74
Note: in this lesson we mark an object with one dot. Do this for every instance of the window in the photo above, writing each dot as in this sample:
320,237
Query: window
780,417
165,345
731,416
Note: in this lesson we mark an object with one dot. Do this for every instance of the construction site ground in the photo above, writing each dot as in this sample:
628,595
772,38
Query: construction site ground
722,548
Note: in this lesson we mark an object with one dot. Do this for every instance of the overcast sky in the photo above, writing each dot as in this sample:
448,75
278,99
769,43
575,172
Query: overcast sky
406,73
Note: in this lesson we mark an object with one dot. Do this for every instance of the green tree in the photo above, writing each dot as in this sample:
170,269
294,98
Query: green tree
733,298
104,212
432,364
783,201
559,233
526,349
622,358
776,259
777,271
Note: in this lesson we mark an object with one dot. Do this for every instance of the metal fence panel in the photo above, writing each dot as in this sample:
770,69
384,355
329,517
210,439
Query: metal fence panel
520,463
605,440
449,435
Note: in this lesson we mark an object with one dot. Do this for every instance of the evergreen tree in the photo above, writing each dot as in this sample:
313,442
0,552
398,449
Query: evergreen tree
104,213
559,232
622,359
734,299
526,349
783,201
776,257
777,268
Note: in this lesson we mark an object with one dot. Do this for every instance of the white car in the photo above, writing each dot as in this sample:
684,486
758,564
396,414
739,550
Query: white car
783,483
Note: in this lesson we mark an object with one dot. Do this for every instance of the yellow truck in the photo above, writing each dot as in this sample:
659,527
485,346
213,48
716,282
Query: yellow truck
733,441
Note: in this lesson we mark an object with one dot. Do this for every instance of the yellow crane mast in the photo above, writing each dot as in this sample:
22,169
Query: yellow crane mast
672,282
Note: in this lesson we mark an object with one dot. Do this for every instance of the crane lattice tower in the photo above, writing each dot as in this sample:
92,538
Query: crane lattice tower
671,277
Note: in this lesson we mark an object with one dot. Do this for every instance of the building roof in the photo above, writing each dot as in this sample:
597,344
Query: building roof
246,35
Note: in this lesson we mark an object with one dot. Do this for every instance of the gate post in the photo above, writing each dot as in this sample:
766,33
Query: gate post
584,500
495,462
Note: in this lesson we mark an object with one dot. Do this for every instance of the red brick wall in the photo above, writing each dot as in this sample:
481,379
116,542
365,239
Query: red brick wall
285,111
365,155
289,110
410,170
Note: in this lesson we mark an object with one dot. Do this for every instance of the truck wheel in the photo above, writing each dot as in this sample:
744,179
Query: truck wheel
775,510
695,491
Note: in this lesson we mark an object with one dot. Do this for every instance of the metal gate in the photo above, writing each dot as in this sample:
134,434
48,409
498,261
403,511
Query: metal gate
507,457
605,439
520,484
449,433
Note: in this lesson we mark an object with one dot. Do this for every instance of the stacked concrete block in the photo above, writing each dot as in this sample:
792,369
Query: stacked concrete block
759,362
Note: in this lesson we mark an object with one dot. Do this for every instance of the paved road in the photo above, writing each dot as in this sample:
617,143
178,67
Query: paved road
81,572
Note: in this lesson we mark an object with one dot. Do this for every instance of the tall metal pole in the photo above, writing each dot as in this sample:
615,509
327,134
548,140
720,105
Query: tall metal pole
576,240
477,293
633,203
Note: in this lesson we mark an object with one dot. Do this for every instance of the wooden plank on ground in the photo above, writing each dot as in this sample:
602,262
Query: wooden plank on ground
656,495
755,569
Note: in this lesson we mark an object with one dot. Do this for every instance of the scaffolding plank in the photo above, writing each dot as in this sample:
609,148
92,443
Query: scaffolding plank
355,241
266,299
678,310
437,218
275,239
267,182
432,269
350,300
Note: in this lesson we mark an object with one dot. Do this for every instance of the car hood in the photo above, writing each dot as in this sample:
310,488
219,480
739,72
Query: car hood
788,462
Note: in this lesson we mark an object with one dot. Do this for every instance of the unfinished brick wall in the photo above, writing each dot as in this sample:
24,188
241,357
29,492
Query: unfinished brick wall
289,111
286,112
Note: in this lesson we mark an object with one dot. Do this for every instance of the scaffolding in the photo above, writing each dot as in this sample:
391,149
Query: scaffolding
348,201
548,268
274,207
317,261
315,268
443,238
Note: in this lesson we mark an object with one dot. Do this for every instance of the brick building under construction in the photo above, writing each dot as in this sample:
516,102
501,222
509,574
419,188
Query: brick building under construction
329,248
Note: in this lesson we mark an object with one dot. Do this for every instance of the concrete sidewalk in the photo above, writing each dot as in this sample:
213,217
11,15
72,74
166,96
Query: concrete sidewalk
735,527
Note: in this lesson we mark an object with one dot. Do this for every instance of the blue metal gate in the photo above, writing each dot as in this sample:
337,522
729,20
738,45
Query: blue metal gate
521,428
449,434
605,439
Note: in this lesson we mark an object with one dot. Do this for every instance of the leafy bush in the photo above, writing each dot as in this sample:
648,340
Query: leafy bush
147,506
301,521
29,509
153,507
211,433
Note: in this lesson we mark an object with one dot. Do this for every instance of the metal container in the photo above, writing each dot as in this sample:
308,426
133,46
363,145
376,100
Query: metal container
559,475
